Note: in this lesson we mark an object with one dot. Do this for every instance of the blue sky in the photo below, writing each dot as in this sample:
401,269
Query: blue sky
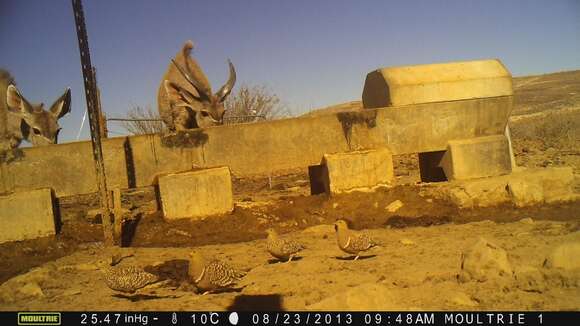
310,53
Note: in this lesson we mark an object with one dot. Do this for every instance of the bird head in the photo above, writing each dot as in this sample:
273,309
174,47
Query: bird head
271,233
196,264
340,225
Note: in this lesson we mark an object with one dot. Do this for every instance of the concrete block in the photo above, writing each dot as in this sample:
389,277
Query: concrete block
397,86
485,192
430,167
524,193
558,184
526,187
477,158
133,162
27,215
197,193
355,171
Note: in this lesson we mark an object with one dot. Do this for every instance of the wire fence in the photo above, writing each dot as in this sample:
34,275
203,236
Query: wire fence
227,120
232,120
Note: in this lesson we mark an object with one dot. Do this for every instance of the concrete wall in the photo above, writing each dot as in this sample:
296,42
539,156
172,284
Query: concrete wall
252,149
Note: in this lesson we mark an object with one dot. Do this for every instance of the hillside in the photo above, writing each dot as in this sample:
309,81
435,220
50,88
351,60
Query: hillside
555,91
547,92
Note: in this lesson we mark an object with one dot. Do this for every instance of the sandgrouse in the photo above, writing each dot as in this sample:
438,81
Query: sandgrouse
283,249
211,275
128,279
352,242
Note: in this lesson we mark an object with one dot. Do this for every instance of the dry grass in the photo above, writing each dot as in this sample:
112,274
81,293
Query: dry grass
554,129
546,92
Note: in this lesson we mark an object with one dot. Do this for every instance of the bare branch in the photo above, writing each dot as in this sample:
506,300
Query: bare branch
254,101
143,121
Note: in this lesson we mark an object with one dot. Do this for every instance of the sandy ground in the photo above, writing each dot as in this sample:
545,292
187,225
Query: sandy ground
416,268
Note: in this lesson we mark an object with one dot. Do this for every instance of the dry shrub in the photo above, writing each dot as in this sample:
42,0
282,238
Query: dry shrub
555,129
144,121
248,104
253,103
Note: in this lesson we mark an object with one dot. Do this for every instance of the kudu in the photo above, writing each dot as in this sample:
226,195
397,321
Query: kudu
185,99
20,120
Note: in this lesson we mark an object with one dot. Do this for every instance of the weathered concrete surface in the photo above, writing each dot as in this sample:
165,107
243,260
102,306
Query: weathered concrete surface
396,86
67,168
525,187
359,170
26,215
196,194
476,158
254,149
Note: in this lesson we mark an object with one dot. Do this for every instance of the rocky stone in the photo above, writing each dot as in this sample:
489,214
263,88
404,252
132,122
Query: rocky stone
462,299
529,278
460,198
483,261
179,232
394,206
407,242
487,192
565,256
31,289
527,220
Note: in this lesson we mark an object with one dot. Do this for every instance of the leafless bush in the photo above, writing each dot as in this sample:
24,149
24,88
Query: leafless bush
252,103
248,104
143,121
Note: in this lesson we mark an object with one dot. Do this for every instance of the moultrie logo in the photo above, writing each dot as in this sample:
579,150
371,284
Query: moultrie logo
39,318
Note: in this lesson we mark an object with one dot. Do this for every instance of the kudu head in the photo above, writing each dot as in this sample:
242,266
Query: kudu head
38,126
194,105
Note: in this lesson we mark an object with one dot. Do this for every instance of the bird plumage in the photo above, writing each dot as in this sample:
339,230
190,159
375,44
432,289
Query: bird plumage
210,275
350,241
283,249
128,279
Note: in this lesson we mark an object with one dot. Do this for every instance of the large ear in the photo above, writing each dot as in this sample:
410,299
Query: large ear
16,102
179,96
61,106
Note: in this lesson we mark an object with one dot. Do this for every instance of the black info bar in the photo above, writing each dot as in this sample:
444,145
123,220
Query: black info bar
143,318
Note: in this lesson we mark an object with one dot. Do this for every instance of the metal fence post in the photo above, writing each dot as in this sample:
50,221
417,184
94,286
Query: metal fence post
92,99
